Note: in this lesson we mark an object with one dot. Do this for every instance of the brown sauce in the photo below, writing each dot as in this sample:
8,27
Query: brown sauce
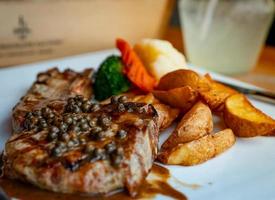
150,188
159,185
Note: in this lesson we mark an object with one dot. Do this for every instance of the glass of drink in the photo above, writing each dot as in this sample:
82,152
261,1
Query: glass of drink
225,36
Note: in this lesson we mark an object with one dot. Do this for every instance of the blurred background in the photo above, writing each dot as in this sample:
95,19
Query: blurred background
253,14
236,38
175,22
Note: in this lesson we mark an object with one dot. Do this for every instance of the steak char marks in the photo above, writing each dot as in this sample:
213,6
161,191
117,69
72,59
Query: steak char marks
79,146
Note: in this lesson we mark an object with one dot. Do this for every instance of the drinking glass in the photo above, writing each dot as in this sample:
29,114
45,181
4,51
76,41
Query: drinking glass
225,36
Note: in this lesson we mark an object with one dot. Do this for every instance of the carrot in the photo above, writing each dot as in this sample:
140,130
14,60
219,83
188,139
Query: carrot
134,68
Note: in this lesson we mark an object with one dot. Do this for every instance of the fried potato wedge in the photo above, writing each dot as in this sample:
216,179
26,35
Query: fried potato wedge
183,97
166,115
181,78
217,94
196,123
212,92
198,151
244,119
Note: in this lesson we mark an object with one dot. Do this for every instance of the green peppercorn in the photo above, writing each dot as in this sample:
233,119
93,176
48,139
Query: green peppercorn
54,129
87,117
114,99
75,141
116,159
110,147
40,117
89,148
56,151
50,115
105,120
34,128
78,103
99,135
63,127
76,109
37,113
42,123
86,107
70,144
122,99
121,107
52,136
99,153
79,97
28,115
61,144
96,129
92,122
84,126
82,141
68,120
69,108
82,120
71,100
94,107
75,118
64,137
121,134
45,110
75,128
35,120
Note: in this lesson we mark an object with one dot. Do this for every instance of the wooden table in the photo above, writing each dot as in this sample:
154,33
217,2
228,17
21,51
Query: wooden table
262,75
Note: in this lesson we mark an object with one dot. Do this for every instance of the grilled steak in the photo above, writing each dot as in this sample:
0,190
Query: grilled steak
51,88
67,143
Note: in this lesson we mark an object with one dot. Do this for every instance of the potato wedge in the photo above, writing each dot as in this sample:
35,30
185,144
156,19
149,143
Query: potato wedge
217,94
183,98
166,115
196,123
198,151
244,119
181,78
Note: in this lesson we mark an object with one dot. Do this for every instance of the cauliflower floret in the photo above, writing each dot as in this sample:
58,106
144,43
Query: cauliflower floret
159,57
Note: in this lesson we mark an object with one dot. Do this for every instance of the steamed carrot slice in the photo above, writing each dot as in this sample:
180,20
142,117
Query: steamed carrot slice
134,68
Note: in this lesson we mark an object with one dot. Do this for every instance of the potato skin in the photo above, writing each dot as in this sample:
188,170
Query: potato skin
256,123
166,115
181,78
198,151
211,92
196,123
216,96
183,97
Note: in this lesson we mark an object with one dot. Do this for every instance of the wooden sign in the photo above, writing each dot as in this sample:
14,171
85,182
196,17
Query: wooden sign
38,30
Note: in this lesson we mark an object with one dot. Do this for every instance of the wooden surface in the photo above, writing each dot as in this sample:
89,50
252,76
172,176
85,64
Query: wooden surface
262,75
54,29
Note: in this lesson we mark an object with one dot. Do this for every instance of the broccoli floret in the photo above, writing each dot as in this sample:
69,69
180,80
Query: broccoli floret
109,79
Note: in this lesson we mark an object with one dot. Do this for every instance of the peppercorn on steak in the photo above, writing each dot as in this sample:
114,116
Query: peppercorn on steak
65,142
50,88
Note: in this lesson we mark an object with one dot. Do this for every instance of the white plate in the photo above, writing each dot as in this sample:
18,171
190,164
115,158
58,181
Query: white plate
246,171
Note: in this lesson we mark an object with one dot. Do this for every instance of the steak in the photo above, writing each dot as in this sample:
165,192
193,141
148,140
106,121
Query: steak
67,143
51,88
